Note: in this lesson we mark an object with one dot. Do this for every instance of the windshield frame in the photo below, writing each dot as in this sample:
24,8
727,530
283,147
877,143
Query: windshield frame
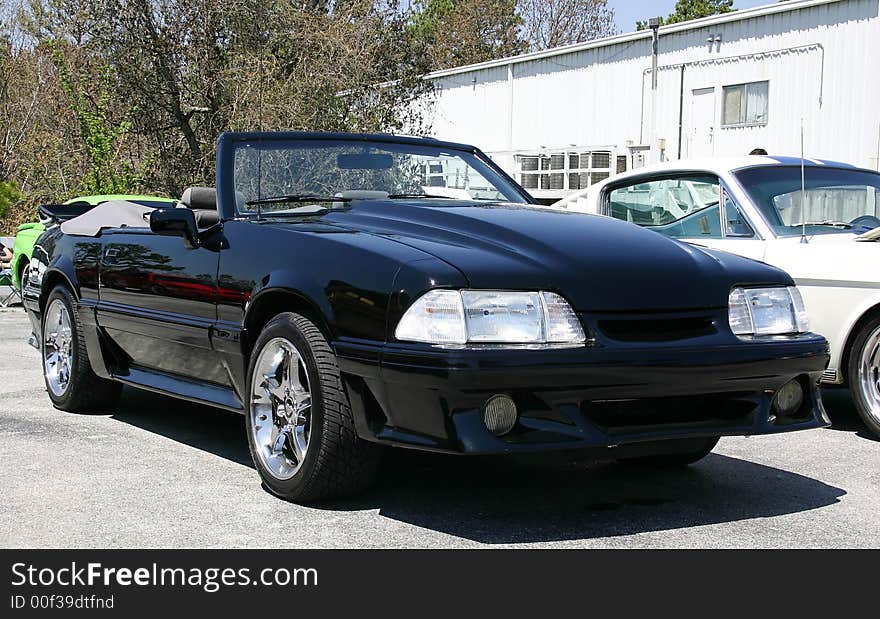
228,143
746,184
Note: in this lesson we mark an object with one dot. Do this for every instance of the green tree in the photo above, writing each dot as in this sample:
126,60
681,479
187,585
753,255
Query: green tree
101,135
461,32
8,196
686,10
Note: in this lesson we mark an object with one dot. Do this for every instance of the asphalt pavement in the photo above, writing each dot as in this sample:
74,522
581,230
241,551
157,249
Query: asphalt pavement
156,472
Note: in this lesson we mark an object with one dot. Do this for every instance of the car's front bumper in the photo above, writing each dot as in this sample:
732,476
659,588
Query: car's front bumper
432,398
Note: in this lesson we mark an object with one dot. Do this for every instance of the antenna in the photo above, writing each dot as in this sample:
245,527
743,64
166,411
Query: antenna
803,190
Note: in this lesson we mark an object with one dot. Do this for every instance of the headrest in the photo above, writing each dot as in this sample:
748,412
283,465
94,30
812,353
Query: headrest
203,198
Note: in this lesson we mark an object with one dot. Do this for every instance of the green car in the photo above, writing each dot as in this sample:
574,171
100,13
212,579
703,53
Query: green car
28,233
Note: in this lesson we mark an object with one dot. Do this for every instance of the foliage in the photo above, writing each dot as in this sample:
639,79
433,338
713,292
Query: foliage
686,10
101,135
8,196
551,23
461,32
130,95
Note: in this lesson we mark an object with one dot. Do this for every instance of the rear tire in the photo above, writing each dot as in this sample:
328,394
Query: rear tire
72,384
23,273
863,373
681,452
300,426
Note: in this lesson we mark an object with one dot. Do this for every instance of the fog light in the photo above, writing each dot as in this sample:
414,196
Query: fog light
789,398
499,414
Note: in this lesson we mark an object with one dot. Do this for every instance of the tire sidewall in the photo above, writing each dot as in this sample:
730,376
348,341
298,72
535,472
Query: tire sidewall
854,363
23,274
284,326
62,401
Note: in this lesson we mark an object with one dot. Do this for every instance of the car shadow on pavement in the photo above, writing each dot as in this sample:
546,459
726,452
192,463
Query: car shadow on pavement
541,499
519,499
219,432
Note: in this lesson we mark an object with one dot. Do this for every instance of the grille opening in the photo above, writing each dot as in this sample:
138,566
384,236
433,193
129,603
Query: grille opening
657,329
709,410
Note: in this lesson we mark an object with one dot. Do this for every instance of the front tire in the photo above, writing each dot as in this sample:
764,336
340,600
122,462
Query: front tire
863,374
72,384
300,427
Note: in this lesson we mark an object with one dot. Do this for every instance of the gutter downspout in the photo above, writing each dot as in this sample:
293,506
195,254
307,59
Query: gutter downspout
654,23
510,112
680,109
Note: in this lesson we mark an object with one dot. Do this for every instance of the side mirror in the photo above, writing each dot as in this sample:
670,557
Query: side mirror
176,222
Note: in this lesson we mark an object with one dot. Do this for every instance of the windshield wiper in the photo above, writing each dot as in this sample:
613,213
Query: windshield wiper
407,196
299,197
841,224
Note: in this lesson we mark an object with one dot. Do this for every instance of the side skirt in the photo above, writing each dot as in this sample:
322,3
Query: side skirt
181,388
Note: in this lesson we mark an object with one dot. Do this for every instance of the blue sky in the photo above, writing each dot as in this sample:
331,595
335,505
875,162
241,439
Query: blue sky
627,12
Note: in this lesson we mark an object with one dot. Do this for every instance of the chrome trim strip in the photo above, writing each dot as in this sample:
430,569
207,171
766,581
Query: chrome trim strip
833,283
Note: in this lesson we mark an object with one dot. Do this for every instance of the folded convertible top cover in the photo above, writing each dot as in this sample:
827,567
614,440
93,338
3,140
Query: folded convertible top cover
112,214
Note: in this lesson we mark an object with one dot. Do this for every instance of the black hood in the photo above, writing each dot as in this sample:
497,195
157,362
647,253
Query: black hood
598,263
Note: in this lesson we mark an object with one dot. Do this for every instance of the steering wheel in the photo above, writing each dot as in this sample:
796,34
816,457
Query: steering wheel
865,223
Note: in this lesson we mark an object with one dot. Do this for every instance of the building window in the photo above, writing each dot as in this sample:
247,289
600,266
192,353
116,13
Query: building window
746,104
563,172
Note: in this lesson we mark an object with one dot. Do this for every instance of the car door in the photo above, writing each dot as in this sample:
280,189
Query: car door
691,207
158,302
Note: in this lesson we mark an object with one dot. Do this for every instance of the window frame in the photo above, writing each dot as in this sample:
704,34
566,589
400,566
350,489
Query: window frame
604,200
744,105
229,142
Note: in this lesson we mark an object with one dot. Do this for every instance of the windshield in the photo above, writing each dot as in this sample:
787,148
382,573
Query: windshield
294,170
835,200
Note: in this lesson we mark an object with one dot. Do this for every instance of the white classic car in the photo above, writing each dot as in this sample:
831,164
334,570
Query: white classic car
824,233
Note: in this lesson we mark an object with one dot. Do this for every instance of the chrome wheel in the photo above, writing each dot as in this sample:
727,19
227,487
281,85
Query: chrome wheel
57,347
25,273
869,374
280,408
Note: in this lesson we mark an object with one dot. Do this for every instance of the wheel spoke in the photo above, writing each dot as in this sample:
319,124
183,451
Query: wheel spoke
299,442
293,372
278,445
302,402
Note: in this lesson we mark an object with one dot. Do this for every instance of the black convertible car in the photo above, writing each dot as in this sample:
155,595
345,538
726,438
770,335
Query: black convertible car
351,291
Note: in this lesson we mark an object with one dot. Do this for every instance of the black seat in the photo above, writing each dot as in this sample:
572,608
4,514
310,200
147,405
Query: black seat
202,201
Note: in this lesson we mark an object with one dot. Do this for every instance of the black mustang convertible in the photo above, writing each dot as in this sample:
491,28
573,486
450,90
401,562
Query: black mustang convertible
345,292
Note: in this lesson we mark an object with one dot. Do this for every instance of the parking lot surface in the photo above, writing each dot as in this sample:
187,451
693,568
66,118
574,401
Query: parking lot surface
156,472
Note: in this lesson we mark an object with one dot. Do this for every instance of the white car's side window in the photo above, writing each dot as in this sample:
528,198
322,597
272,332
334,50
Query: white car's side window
681,207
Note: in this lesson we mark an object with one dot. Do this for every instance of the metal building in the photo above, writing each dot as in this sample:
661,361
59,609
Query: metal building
561,119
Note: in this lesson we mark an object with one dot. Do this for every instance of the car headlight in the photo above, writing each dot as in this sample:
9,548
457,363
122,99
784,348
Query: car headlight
767,311
490,317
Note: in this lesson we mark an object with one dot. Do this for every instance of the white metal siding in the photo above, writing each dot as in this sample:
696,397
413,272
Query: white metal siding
601,96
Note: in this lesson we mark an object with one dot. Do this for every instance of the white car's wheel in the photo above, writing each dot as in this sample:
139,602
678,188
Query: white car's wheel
863,373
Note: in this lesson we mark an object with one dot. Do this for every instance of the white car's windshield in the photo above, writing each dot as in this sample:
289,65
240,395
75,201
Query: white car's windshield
834,200
280,175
